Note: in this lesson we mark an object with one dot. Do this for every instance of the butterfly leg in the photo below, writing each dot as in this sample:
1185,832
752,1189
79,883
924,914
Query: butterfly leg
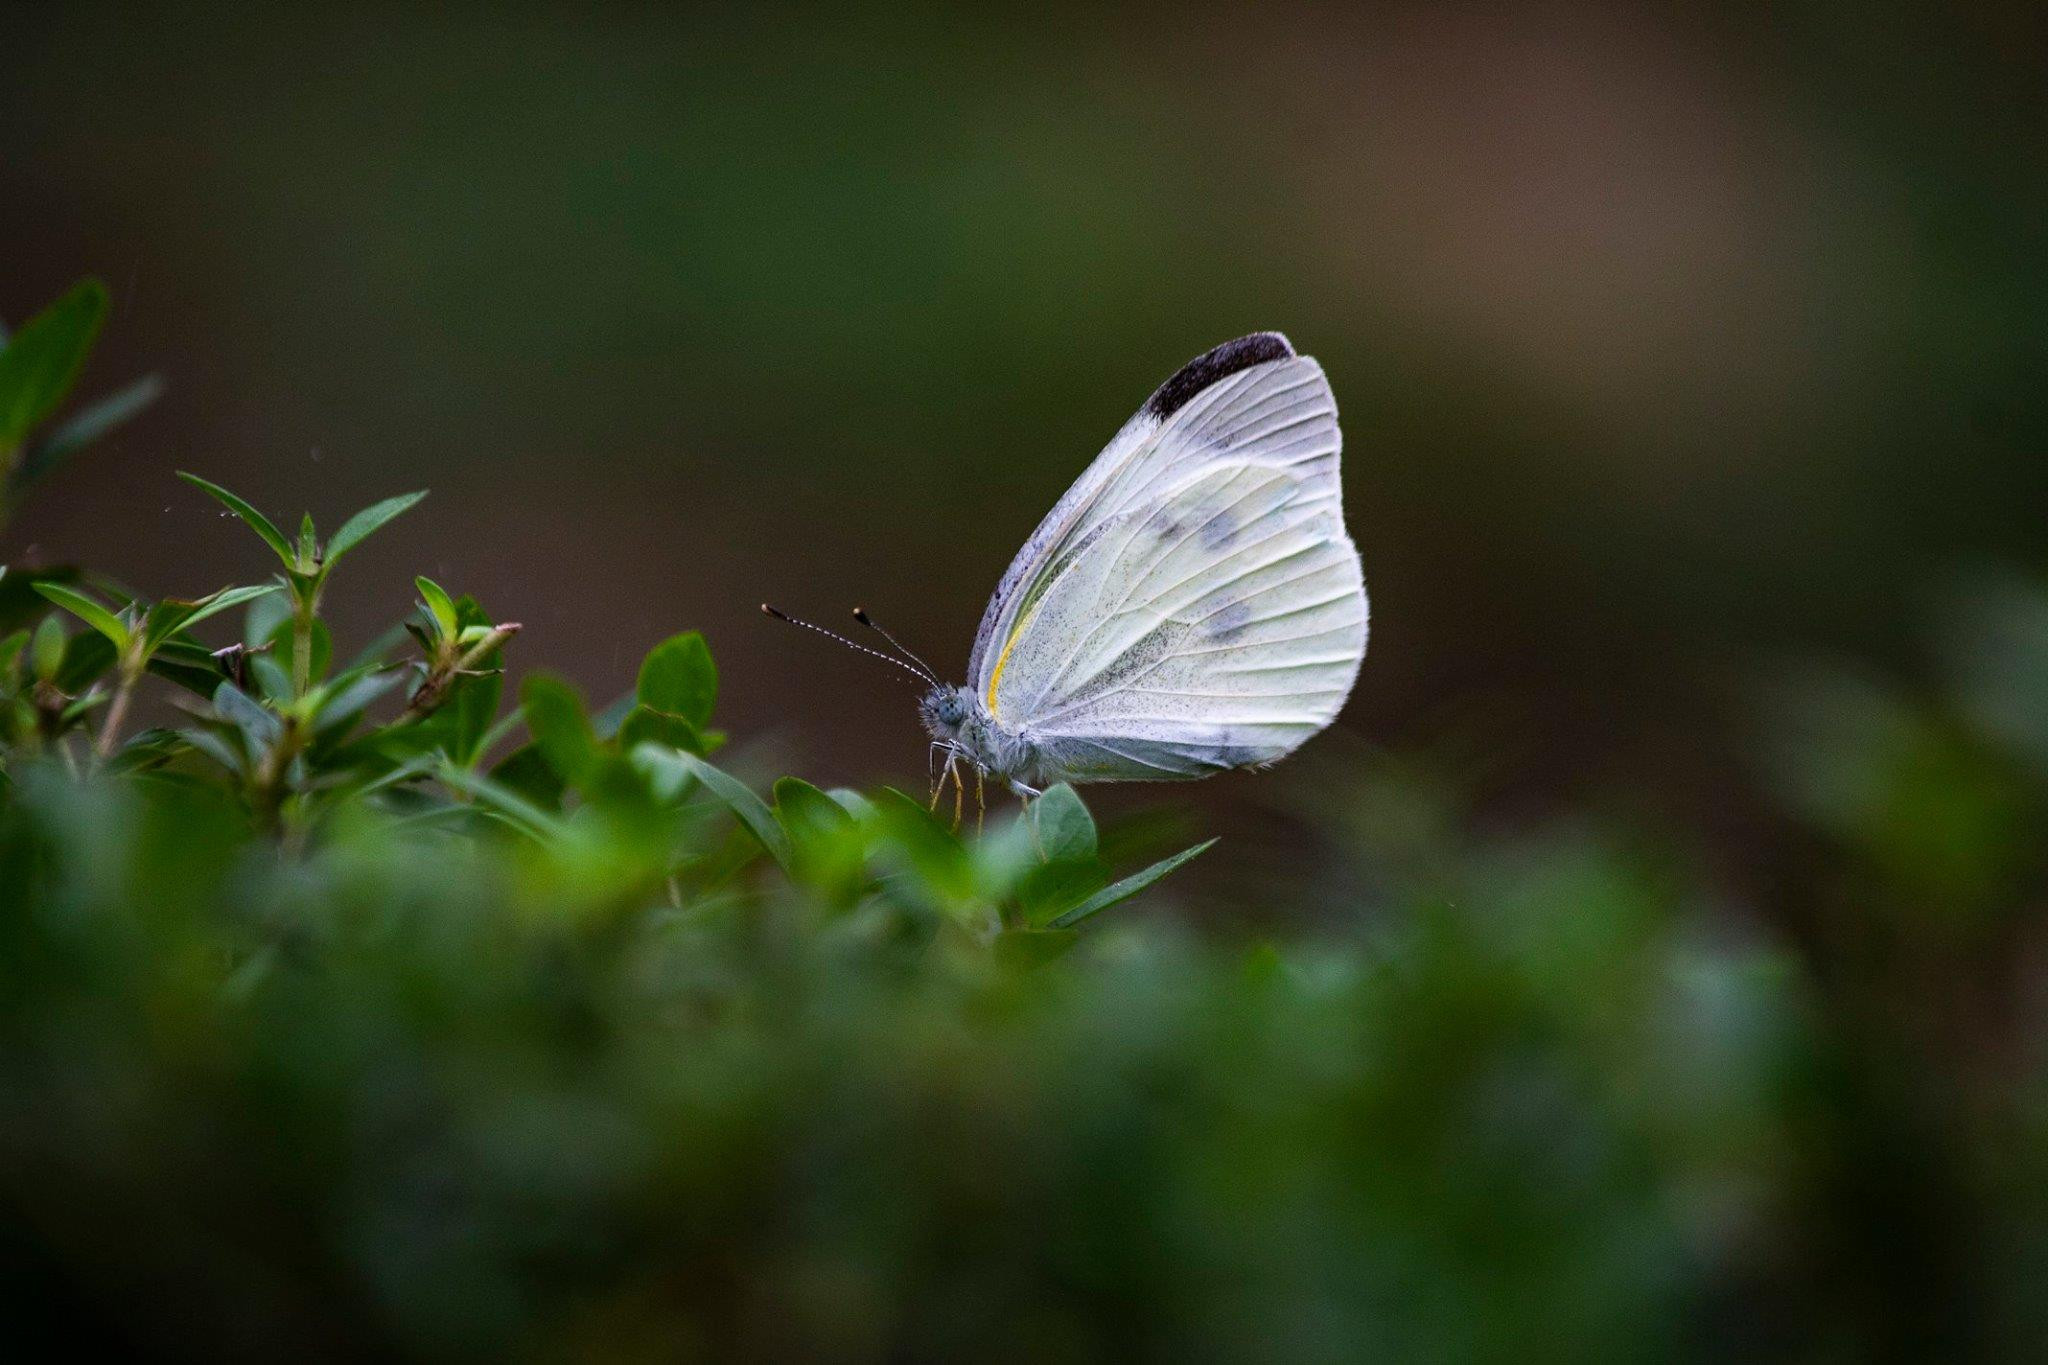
980,801
1023,792
959,792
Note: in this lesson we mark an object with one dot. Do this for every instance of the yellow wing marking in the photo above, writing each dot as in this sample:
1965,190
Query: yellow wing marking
1003,659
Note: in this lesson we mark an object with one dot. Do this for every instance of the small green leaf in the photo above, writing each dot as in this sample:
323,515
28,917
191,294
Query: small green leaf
678,678
87,657
87,610
216,747
608,721
853,803
338,706
166,619
807,813
255,720
525,772
225,599
189,665
752,811
359,527
11,648
523,813
941,862
1065,830
42,361
1117,892
666,773
1024,949
472,707
439,605
270,677
560,726
46,649
264,616
307,552
644,725
89,425
260,524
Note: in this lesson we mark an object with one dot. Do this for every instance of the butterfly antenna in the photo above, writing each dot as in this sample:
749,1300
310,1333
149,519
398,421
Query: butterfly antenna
860,614
890,659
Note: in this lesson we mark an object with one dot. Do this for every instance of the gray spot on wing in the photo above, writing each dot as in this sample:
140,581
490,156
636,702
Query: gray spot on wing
1210,366
1229,623
1218,531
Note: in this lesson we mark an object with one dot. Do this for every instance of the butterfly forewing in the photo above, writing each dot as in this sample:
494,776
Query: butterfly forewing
1194,603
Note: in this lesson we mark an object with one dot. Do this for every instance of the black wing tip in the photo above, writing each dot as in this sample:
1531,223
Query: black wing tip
1212,365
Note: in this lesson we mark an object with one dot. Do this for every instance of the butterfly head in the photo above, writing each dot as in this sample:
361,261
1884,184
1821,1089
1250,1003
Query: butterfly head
944,710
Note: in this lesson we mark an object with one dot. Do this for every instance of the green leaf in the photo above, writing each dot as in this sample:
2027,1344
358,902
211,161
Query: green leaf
166,619
20,604
11,648
255,720
1023,949
225,599
188,665
853,803
87,610
678,678
1118,892
523,813
1047,890
216,747
667,775
940,861
472,707
87,657
439,605
260,524
270,677
807,813
525,772
46,649
645,725
86,426
264,616
339,706
830,849
1064,829
42,361
738,798
608,721
363,524
560,726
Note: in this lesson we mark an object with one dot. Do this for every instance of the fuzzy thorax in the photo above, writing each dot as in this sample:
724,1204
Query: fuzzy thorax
957,719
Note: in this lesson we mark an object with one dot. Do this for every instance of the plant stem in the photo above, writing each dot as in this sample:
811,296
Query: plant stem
117,712
302,645
433,688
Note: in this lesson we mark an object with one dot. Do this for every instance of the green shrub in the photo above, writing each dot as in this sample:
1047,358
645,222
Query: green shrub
364,1014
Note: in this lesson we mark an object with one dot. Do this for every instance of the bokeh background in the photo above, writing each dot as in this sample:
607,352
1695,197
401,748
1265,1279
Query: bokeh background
1664,343
1652,966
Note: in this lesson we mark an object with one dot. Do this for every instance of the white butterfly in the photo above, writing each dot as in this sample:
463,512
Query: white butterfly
1193,604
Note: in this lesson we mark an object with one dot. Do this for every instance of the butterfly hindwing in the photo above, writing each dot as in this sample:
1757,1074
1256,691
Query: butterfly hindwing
1218,628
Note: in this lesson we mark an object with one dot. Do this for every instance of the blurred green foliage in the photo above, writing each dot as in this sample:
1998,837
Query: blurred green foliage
359,1013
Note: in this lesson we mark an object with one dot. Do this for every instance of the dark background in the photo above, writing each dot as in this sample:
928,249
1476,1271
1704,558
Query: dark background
1664,344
